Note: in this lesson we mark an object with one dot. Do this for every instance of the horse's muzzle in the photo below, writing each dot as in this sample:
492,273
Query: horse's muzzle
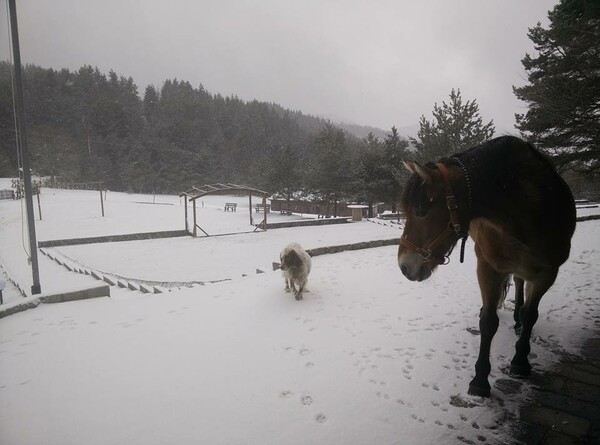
414,269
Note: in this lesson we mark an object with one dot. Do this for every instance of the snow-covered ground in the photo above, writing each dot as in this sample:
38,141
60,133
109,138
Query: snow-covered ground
366,357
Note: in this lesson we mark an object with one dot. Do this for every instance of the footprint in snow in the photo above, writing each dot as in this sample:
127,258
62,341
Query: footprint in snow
304,351
321,418
306,400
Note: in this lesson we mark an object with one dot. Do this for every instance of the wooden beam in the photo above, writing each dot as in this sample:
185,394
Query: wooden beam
195,224
250,207
264,201
185,202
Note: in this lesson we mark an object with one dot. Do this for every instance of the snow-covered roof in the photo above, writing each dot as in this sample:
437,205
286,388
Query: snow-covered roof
215,189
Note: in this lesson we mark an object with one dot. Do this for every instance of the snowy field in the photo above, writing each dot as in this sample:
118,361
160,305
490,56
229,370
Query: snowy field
366,358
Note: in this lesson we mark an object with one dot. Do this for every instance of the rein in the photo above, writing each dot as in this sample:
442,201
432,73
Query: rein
452,229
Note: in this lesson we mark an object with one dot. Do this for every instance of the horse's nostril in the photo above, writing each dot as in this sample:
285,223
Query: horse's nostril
404,269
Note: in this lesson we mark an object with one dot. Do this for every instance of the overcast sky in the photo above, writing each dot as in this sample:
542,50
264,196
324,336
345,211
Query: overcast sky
371,62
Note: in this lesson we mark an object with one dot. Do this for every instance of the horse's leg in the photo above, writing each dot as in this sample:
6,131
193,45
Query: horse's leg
519,285
491,283
535,290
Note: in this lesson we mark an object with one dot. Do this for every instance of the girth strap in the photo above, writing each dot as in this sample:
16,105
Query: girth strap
453,209
450,199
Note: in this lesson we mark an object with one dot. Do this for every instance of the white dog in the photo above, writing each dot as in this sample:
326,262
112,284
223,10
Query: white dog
295,264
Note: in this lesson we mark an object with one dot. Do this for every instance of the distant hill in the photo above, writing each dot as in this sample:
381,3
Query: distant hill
361,131
409,130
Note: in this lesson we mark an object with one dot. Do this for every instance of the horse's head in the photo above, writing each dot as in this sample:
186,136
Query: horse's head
431,228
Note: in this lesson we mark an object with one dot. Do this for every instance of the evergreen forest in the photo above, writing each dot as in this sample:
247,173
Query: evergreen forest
88,126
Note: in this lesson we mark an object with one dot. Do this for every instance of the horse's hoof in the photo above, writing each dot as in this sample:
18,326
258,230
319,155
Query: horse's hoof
478,389
520,371
298,297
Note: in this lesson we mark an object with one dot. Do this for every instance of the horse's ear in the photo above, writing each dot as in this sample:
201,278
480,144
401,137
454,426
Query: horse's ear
409,165
428,175
431,178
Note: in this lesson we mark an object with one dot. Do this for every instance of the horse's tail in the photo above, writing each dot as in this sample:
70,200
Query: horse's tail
504,292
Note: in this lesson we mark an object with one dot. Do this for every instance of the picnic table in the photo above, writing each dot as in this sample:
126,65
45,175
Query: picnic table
230,206
259,208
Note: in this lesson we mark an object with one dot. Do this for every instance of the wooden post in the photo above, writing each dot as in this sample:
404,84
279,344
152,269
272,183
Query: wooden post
195,225
250,205
39,205
101,200
185,201
264,201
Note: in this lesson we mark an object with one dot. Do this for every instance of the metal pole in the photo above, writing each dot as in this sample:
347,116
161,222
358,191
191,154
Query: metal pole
22,137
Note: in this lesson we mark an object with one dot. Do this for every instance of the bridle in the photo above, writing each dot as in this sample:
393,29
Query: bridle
452,230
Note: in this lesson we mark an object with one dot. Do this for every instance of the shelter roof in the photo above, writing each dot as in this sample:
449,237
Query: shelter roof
219,189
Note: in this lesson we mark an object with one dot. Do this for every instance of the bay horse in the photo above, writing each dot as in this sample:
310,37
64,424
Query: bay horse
521,216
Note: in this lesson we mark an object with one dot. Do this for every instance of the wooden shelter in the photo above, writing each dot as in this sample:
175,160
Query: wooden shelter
222,189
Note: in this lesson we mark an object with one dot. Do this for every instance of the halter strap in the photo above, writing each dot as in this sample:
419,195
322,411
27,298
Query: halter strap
427,252
453,228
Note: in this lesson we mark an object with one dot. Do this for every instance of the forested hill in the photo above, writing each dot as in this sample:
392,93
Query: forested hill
90,126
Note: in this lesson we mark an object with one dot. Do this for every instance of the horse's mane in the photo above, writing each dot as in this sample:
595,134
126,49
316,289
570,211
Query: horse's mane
487,165
493,168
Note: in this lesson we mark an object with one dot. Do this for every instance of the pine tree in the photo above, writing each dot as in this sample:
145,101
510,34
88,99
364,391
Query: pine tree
456,127
563,94
330,175
281,171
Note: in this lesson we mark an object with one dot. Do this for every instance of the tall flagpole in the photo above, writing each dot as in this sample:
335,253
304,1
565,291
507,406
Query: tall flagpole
22,138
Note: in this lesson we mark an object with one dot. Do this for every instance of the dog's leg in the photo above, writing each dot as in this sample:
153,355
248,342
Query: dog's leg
287,284
300,290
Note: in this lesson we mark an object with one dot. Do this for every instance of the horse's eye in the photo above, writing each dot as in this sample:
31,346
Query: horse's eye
423,204
422,210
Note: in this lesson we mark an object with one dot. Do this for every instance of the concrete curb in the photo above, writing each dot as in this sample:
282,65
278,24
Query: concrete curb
353,246
102,290
588,218
309,222
113,238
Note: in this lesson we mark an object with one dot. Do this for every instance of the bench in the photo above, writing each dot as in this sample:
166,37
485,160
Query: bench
391,215
230,206
7,194
259,208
